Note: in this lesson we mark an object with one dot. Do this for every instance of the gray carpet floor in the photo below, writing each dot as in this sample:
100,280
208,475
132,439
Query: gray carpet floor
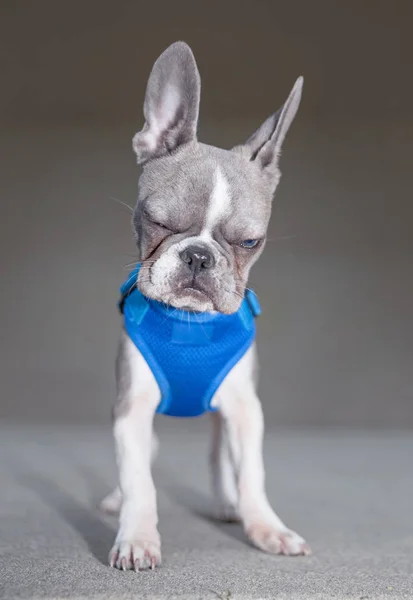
350,494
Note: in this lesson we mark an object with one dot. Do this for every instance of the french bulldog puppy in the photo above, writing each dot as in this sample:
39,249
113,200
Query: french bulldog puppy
200,224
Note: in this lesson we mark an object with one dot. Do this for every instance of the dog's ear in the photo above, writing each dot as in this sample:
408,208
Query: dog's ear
171,104
264,146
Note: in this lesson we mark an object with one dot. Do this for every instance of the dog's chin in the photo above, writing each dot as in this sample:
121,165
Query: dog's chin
197,300
191,299
185,297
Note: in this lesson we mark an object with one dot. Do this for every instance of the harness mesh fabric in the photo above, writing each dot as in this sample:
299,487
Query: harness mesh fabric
189,354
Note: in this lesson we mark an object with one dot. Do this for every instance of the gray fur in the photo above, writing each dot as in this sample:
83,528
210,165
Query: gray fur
177,183
175,70
264,146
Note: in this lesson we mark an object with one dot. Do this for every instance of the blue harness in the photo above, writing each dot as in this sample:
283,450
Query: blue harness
189,353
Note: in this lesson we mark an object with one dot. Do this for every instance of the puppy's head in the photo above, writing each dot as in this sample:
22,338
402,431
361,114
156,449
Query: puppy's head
202,212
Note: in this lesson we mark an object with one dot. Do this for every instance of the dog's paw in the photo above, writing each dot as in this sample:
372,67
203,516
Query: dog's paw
272,540
112,503
137,555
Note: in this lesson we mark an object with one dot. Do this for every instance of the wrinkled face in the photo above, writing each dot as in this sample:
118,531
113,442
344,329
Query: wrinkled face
202,212
200,223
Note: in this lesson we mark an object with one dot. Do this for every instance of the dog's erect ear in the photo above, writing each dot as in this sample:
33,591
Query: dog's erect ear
171,104
264,146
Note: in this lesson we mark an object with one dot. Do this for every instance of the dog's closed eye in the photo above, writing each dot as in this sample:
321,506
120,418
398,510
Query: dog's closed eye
153,220
161,225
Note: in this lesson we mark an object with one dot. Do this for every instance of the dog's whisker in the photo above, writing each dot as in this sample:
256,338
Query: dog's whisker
200,324
122,203
234,292
168,314
135,264
238,294
245,287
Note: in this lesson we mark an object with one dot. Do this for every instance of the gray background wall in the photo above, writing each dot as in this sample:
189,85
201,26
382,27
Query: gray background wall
336,337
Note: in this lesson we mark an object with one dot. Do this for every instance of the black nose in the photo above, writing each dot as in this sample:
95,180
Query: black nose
197,258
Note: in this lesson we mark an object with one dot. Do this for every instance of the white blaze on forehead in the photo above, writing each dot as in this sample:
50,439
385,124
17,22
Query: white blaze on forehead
219,202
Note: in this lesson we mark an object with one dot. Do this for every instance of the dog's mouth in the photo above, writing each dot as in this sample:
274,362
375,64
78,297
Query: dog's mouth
193,298
194,291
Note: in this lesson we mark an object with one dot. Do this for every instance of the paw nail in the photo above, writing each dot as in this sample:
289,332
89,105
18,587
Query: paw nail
112,559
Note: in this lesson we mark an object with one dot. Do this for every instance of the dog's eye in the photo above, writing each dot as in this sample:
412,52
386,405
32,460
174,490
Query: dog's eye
249,243
161,225
155,222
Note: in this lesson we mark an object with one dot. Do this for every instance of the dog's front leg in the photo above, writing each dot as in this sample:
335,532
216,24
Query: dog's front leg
241,409
137,545
223,463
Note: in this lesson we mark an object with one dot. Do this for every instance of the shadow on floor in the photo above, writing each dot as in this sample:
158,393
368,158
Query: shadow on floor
200,505
97,534
87,522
